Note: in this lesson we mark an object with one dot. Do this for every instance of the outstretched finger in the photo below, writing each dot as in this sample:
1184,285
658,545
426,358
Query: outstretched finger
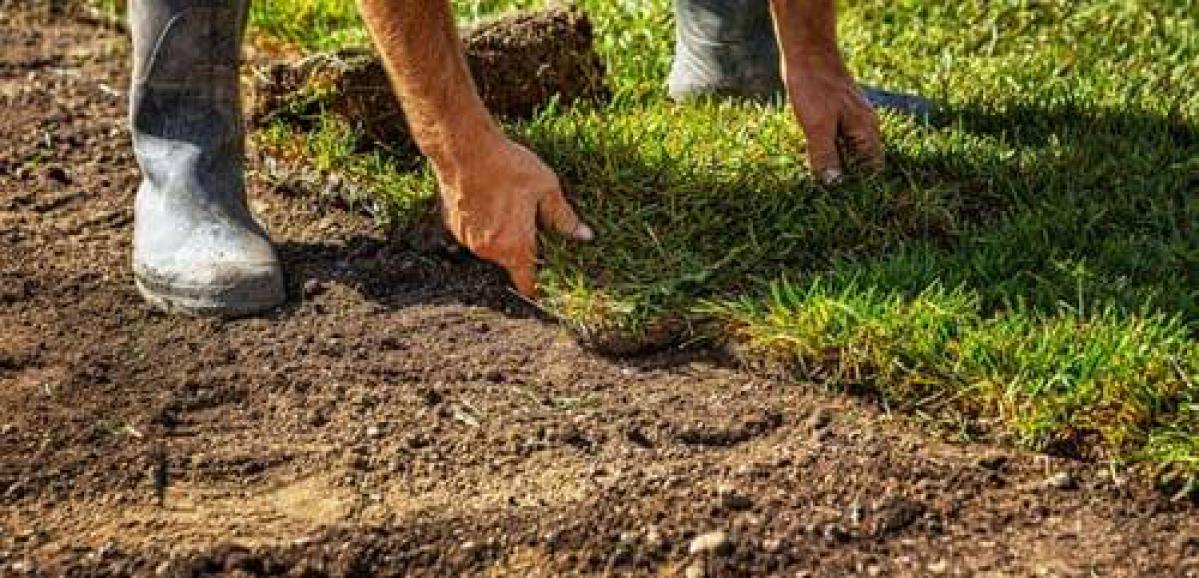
520,261
556,214
524,278
516,254
823,155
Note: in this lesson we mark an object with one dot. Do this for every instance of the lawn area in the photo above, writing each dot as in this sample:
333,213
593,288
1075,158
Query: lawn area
1027,269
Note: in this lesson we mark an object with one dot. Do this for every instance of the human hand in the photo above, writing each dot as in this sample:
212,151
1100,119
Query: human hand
840,125
492,201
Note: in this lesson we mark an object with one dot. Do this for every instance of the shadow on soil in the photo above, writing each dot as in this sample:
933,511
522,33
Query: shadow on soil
424,267
392,273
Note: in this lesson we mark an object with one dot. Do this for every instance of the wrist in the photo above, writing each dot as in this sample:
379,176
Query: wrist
813,52
457,147
462,160
822,63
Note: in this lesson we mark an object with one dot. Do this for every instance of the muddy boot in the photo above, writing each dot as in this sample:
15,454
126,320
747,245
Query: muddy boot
196,247
724,48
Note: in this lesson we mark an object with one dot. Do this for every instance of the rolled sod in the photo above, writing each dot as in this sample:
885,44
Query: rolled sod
520,63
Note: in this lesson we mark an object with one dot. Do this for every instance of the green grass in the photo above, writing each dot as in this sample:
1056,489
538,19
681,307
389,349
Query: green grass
1029,270
314,24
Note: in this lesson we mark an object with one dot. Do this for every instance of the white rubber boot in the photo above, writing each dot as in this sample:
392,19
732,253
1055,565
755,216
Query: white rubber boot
196,247
724,48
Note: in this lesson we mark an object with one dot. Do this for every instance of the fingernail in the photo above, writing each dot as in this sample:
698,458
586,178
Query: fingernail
584,233
832,176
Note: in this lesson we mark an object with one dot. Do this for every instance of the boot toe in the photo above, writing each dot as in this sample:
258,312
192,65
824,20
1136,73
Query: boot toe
228,285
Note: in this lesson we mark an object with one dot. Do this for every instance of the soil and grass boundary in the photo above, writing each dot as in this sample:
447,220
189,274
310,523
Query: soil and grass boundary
1025,270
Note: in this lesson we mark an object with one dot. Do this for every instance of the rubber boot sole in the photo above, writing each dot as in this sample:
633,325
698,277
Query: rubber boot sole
243,300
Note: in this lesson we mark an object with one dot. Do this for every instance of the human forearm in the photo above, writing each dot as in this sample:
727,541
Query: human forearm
805,28
493,191
423,56
823,93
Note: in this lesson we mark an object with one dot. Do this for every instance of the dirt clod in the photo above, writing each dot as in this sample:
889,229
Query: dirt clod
314,287
734,500
897,515
1061,481
820,418
994,462
716,542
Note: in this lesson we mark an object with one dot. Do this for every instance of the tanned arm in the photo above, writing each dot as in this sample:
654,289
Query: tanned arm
824,95
493,191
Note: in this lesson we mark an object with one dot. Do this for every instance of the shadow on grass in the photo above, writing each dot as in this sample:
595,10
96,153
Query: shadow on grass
1095,206
1032,208
1032,125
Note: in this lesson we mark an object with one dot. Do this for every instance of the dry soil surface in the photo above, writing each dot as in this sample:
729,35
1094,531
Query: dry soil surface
404,415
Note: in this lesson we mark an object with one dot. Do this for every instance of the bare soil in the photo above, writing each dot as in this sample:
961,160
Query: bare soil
403,414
